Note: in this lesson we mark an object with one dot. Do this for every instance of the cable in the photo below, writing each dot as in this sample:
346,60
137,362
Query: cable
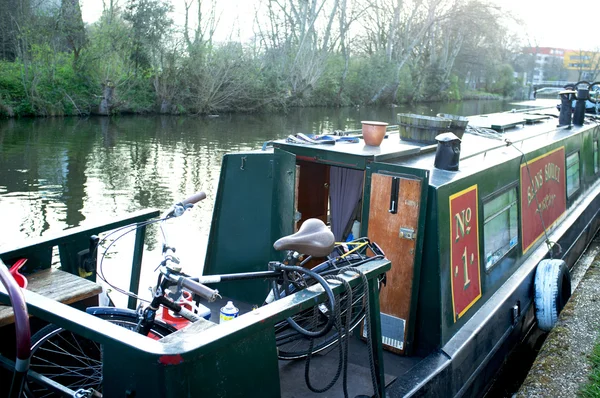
342,343
368,326
537,203
130,228
330,296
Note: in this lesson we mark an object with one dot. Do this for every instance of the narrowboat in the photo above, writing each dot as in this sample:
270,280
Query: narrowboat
479,234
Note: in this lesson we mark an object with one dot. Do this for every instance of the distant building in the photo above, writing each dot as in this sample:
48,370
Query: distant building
560,65
546,61
582,65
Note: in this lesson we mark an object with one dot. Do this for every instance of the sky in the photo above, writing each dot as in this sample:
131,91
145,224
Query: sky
545,23
570,24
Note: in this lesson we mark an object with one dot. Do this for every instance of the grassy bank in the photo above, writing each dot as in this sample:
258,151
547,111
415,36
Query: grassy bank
592,388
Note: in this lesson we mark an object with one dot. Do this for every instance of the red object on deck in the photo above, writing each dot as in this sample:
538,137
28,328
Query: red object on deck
14,271
178,322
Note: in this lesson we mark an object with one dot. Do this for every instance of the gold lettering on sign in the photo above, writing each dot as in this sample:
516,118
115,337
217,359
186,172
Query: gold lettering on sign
463,227
546,203
464,258
538,181
552,172
463,221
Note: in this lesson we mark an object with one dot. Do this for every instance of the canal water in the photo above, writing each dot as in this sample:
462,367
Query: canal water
66,172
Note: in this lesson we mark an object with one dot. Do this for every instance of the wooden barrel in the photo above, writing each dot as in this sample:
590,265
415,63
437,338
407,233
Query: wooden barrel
458,124
421,128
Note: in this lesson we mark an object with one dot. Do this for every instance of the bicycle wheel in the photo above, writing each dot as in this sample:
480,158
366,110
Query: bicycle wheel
293,345
71,360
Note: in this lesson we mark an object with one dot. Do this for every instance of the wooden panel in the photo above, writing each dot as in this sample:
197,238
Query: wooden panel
384,229
57,285
313,191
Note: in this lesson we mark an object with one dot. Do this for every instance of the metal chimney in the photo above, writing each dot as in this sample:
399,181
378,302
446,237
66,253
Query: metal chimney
447,154
582,96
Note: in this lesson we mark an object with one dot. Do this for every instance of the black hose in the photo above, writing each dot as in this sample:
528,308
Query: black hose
342,342
330,296
368,325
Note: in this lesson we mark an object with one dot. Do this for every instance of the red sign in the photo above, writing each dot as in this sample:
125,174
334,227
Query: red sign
543,195
464,251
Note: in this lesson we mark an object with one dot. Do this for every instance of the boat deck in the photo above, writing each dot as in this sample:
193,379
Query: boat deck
512,126
324,365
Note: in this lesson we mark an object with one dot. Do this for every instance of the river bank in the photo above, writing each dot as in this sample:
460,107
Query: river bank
9,109
562,366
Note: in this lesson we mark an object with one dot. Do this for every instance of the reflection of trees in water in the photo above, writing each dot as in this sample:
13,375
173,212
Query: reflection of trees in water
59,172
79,144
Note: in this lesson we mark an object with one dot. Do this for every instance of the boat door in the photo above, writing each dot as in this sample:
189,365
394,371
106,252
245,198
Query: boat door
395,202
254,206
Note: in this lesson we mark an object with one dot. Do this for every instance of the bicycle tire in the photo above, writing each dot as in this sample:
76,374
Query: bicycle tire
71,360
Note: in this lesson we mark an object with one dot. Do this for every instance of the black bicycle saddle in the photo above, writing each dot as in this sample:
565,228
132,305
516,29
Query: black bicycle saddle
313,239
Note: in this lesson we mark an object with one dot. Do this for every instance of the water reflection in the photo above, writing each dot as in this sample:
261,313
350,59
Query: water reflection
61,173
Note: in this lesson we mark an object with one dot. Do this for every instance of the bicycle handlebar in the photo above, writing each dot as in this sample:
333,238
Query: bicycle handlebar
193,199
201,290
179,208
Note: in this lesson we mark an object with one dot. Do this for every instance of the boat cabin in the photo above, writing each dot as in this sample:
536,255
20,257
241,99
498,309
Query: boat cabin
464,243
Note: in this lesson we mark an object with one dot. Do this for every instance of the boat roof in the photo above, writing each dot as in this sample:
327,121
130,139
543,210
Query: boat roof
491,139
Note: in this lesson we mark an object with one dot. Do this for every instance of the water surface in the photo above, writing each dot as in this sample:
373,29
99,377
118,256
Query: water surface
66,172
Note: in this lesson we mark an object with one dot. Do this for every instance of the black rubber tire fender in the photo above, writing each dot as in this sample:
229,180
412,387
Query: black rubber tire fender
552,290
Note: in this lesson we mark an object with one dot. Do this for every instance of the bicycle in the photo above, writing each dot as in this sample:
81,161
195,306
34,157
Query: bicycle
57,352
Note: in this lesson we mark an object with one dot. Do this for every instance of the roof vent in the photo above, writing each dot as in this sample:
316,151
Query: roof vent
447,154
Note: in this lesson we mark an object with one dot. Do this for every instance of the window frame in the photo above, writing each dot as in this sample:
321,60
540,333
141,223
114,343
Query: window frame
488,198
595,156
578,153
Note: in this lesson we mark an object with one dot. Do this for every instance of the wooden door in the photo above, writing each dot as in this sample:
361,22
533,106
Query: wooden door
395,207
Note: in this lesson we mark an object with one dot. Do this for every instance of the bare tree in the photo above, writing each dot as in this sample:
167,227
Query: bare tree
205,25
401,26
299,36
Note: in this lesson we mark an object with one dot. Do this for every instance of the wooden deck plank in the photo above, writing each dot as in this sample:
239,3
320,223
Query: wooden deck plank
57,285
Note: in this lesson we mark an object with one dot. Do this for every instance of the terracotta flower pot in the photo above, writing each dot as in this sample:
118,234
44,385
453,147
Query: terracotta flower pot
373,132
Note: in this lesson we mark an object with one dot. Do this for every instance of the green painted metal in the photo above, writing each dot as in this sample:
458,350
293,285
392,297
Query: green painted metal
234,359
351,155
241,232
430,291
136,264
284,190
322,155
72,241
436,298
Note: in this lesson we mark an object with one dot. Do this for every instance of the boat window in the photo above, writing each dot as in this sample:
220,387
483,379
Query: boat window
596,166
500,228
572,173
